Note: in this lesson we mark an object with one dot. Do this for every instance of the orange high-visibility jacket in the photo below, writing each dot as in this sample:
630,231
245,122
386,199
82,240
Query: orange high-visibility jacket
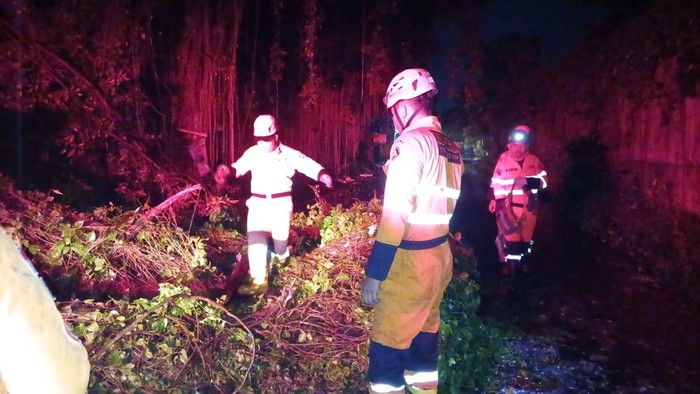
508,172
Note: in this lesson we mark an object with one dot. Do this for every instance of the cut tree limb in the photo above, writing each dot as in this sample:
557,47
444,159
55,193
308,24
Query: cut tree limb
172,200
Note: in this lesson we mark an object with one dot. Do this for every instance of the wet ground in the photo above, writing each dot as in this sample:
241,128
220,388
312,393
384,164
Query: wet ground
583,319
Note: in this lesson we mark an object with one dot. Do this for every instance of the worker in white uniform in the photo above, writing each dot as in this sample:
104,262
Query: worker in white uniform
271,165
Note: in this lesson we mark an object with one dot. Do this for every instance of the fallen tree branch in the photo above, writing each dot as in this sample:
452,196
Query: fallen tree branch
172,200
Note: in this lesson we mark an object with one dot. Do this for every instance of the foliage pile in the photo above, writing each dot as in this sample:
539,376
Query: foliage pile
312,329
308,333
174,342
107,252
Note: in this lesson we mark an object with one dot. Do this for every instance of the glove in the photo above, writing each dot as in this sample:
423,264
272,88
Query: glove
326,180
221,173
533,183
370,289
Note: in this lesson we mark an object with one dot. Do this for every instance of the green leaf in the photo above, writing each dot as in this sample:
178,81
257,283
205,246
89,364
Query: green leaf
99,264
183,356
57,251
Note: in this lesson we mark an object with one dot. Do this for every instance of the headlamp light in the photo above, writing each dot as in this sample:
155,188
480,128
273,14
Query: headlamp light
518,136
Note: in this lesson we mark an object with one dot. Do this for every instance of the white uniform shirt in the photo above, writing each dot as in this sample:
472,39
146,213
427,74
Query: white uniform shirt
271,172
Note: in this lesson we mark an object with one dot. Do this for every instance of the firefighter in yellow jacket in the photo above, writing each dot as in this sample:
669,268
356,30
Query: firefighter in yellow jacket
518,180
411,262
38,353
271,165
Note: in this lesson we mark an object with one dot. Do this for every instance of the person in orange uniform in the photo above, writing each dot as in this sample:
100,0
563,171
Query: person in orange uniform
410,264
272,165
38,353
518,178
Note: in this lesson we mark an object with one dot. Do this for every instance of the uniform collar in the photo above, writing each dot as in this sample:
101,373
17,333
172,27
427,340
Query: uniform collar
430,122
277,149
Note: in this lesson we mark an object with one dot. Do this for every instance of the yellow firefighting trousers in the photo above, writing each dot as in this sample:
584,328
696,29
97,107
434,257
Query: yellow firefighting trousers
409,298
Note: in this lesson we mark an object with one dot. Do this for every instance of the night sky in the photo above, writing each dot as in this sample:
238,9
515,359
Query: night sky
559,24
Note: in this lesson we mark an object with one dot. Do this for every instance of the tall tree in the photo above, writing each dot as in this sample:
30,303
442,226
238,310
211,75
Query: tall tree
204,76
84,60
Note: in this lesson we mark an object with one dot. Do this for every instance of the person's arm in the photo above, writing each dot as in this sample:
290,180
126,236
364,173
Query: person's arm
542,175
39,352
244,164
491,193
543,178
236,169
399,196
309,167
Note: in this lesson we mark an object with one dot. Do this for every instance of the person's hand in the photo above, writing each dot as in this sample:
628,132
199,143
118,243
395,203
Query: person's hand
370,288
221,173
492,206
326,180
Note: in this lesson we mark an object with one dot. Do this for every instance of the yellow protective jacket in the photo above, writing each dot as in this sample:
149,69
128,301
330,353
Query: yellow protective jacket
38,354
424,174
411,255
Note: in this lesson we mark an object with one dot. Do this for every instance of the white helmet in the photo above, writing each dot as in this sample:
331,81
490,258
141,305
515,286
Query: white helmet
408,84
264,126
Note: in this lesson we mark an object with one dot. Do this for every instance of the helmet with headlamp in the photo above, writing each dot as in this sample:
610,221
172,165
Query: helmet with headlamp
520,134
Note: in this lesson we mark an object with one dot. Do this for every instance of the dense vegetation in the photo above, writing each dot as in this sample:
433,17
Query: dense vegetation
113,108
154,304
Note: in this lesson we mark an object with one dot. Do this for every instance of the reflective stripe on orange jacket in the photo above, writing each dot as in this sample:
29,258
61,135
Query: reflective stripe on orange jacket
507,171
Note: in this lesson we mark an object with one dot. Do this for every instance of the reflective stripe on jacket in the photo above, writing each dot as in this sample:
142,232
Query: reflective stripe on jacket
424,174
507,170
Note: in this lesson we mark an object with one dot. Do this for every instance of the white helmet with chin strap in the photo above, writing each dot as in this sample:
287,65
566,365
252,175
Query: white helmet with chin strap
408,84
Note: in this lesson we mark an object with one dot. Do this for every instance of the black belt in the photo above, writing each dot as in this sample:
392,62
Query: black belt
419,245
273,195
